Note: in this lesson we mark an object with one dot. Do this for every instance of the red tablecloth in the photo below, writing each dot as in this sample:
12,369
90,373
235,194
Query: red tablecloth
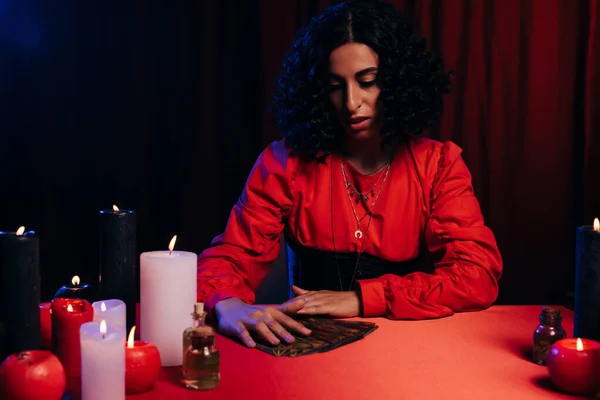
482,356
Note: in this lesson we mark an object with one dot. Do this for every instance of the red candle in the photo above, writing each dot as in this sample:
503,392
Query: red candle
46,325
67,317
142,365
574,365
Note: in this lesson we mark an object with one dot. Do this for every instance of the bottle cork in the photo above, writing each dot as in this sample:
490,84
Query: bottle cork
199,308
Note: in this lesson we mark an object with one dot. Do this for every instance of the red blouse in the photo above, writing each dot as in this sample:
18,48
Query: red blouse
427,198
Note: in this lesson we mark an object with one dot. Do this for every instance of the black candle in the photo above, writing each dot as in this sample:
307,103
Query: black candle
19,292
76,290
587,282
118,259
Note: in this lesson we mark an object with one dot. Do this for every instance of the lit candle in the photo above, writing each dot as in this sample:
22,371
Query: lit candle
574,365
587,282
142,365
46,325
118,258
19,292
167,288
67,317
102,362
112,311
76,290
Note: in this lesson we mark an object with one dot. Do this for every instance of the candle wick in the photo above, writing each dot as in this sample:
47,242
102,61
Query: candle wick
104,336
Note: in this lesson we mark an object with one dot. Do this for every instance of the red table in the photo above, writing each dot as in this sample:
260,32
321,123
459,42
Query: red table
480,355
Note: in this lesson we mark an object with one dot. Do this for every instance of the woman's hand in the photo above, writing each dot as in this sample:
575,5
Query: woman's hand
237,318
327,302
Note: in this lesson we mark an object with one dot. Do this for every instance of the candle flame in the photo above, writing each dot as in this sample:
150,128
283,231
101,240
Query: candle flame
75,281
20,231
115,208
596,224
70,308
102,307
172,243
130,338
579,344
103,327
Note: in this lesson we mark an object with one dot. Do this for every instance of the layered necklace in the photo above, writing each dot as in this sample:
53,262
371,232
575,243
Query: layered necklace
354,195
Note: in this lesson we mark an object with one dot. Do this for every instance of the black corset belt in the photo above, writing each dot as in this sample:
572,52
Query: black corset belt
313,269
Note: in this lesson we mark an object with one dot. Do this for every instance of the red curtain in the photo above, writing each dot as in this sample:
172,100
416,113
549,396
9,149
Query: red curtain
522,109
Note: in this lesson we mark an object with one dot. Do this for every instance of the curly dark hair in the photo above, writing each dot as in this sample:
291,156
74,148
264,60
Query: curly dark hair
412,79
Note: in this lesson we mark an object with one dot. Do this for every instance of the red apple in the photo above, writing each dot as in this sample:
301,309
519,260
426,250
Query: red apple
32,375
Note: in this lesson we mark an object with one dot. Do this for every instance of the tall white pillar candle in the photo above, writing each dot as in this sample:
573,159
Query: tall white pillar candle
102,361
167,292
113,312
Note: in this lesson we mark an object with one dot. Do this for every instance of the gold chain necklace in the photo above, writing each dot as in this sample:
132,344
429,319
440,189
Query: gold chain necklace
358,234
363,195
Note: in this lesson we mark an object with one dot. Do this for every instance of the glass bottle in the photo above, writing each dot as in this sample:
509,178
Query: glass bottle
201,359
548,331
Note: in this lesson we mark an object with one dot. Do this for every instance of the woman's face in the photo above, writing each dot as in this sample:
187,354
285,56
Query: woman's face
354,90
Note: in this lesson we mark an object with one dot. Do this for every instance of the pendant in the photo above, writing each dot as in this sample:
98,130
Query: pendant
358,234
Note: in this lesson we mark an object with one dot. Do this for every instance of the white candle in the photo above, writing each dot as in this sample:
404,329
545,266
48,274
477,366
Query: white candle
112,311
167,292
102,361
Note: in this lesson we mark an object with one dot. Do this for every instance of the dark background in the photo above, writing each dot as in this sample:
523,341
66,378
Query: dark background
161,107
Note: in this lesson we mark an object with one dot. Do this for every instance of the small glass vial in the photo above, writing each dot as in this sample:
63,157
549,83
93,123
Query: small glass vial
548,332
201,359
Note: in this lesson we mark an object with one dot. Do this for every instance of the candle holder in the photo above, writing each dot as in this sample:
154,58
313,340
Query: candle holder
76,290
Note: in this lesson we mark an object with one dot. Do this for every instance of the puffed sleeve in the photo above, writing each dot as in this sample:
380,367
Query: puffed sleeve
466,277
238,259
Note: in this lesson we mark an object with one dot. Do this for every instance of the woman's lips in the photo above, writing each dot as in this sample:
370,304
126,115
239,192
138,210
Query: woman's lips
358,124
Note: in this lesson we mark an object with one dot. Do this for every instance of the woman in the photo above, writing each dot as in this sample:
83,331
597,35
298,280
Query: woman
360,197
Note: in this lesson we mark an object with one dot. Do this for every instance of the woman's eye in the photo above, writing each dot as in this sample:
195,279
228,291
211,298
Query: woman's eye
368,83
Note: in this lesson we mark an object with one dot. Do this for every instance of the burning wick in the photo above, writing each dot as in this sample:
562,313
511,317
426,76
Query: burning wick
172,244
596,225
130,338
70,308
20,231
115,208
579,345
102,307
103,329
75,281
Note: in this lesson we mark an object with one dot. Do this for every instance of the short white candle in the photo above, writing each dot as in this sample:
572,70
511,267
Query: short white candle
102,361
113,312
167,292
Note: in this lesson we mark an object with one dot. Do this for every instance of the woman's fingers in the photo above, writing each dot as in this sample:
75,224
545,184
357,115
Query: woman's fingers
263,330
242,333
276,328
298,291
292,306
291,323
